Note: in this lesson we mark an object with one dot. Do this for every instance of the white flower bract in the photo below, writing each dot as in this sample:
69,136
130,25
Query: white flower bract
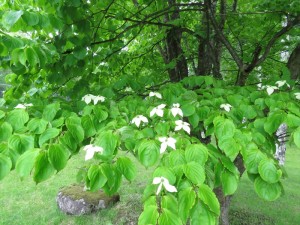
280,83
271,89
226,107
182,125
176,110
138,119
158,110
23,106
165,142
163,182
297,95
90,151
89,98
156,94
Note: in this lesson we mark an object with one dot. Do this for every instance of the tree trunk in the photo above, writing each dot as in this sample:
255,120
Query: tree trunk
294,63
226,200
280,146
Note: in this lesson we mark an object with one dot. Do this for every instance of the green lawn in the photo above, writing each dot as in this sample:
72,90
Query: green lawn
24,203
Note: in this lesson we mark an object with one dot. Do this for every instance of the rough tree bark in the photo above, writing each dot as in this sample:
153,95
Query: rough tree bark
173,49
294,63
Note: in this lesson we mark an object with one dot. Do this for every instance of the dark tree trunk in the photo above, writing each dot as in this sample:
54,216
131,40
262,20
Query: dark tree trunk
294,63
175,52
172,51
226,200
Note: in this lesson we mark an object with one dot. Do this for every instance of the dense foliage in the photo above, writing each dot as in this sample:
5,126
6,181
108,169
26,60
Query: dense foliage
153,79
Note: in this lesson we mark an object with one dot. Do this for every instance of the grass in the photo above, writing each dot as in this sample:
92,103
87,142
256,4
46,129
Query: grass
248,208
24,203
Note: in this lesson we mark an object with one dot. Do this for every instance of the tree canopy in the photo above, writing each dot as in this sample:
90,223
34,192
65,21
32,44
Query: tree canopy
195,89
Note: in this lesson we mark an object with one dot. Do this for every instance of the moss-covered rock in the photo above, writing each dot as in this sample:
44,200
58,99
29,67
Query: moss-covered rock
75,200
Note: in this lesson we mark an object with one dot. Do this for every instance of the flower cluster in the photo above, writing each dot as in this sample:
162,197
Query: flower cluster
88,98
165,142
226,107
23,106
138,119
270,89
163,182
90,151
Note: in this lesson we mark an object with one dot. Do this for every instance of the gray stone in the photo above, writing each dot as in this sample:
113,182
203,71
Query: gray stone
74,200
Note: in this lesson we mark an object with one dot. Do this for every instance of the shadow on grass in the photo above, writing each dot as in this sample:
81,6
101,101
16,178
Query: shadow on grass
243,217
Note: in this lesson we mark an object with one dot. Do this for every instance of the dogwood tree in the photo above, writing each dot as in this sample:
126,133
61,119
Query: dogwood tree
194,89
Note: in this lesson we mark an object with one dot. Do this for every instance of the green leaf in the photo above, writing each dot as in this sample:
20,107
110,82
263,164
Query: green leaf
267,191
68,141
194,120
76,131
168,218
58,122
296,136
58,156
203,113
187,199
149,216
292,120
50,111
100,113
273,122
21,143
229,182
37,126
5,131
148,152
248,111
230,147
88,126
26,161
208,197
196,153
30,18
195,172
224,128
188,109
5,165
126,167
17,118
32,56
50,133
169,202
108,141
42,168
96,177
2,114
115,177
268,171
9,18
200,214
252,160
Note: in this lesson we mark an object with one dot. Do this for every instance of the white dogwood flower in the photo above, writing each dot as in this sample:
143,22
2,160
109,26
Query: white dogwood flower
23,106
156,94
138,119
165,142
89,97
271,89
90,151
98,98
226,107
280,83
297,95
158,110
182,125
162,181
176,110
